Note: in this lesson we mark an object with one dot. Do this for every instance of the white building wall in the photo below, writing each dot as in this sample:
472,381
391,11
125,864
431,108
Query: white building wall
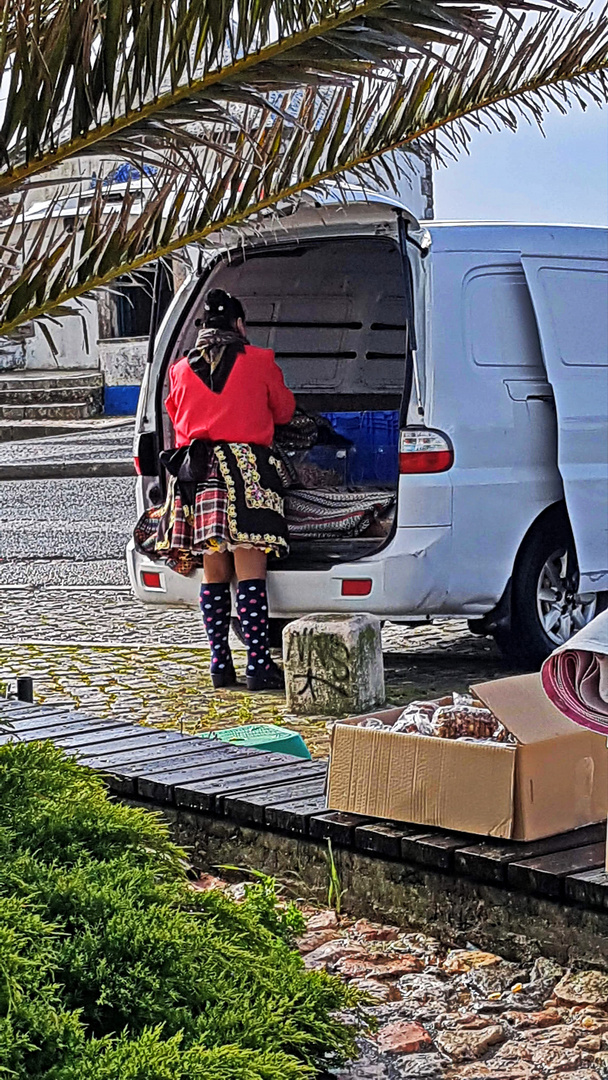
76,343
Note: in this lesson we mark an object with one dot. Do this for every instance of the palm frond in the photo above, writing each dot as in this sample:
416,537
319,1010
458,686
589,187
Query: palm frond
550,61
81,75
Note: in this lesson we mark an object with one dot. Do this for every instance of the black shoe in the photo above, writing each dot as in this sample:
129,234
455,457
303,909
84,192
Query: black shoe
270,678
227,677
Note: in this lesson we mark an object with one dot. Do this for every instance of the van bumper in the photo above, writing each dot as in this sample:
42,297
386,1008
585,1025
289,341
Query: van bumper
175,590
409,577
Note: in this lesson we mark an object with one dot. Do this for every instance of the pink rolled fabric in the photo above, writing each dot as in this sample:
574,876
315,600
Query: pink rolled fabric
575,676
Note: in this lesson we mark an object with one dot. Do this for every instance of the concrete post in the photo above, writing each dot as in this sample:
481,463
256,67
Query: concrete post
333,664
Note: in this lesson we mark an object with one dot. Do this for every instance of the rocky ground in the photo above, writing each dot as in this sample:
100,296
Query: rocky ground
458,1014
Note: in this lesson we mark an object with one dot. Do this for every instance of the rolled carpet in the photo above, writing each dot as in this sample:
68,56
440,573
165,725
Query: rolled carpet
575,676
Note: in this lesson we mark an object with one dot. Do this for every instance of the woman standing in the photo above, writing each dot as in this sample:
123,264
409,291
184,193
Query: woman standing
224,507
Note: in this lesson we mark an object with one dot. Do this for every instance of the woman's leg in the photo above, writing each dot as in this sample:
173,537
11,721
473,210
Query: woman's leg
252,608
218,566
250,563
216,605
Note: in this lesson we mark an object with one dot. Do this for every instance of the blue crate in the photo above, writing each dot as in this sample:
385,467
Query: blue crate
375,438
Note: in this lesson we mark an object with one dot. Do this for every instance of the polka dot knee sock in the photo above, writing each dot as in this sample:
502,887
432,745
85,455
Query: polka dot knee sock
252,608
215,606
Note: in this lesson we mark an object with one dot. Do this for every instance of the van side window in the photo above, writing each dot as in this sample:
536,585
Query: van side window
500,325
578,306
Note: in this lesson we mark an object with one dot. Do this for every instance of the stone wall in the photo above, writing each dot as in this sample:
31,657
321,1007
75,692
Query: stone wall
75,340
453,908
12,355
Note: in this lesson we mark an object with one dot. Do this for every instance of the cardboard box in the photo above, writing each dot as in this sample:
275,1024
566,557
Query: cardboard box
554,780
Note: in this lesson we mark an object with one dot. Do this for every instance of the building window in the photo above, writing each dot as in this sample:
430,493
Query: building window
125,310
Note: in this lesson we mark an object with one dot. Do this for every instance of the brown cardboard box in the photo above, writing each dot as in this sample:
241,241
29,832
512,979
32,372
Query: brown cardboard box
555,779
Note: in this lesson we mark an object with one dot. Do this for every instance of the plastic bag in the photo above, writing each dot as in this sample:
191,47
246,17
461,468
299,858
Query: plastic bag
466,719
416,718
466,699
374,723
458,721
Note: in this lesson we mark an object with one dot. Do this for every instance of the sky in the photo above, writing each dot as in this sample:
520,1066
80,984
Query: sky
521,176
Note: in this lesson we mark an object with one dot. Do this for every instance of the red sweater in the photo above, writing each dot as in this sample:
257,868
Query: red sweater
253,400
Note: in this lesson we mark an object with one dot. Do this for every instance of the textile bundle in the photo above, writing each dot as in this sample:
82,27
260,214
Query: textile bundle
575,676
325,514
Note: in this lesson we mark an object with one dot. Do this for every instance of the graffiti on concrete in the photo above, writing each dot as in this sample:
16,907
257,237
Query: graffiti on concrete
320,663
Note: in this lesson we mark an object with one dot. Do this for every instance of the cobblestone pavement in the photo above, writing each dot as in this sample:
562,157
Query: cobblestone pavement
103,651
66,531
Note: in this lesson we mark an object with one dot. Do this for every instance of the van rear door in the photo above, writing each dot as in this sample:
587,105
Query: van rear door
570,297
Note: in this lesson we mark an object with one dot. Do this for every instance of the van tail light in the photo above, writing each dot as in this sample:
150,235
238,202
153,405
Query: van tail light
151,579
422,450
356,586
137,466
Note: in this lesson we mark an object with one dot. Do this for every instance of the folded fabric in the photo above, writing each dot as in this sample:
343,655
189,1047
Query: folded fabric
325,514
575,676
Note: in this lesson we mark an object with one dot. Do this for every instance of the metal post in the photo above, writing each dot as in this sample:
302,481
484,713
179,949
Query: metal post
25,689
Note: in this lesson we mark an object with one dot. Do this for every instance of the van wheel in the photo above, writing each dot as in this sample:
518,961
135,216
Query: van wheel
546,605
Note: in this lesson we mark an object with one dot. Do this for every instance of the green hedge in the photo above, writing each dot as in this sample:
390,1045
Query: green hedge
112,968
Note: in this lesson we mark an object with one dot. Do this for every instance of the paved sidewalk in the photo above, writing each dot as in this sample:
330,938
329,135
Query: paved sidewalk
104,448
105,652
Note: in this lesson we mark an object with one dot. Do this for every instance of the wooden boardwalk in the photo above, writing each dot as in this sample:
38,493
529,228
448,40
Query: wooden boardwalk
281,793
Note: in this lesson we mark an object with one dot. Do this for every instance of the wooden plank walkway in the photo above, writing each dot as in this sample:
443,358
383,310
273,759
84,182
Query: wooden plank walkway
283,793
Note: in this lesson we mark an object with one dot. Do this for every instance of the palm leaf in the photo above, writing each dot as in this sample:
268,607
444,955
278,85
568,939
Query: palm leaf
86,75
548,61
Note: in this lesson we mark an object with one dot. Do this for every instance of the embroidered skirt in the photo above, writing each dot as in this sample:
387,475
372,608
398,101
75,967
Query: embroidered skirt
239,504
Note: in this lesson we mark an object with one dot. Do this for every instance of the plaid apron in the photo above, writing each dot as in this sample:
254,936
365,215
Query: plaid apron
238,504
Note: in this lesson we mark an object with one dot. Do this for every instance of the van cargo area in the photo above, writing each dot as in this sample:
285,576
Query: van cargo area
471,384
334,312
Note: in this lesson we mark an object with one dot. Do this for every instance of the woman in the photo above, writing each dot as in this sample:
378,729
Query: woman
225,500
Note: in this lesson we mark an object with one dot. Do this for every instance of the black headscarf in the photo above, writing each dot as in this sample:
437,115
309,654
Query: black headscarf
213,356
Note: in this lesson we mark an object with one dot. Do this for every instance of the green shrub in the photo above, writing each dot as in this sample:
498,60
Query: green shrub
112,968
152,1057
54,806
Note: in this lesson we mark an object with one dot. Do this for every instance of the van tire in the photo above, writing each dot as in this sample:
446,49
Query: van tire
526,640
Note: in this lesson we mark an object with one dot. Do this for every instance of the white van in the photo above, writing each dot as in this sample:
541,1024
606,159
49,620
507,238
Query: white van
477,357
